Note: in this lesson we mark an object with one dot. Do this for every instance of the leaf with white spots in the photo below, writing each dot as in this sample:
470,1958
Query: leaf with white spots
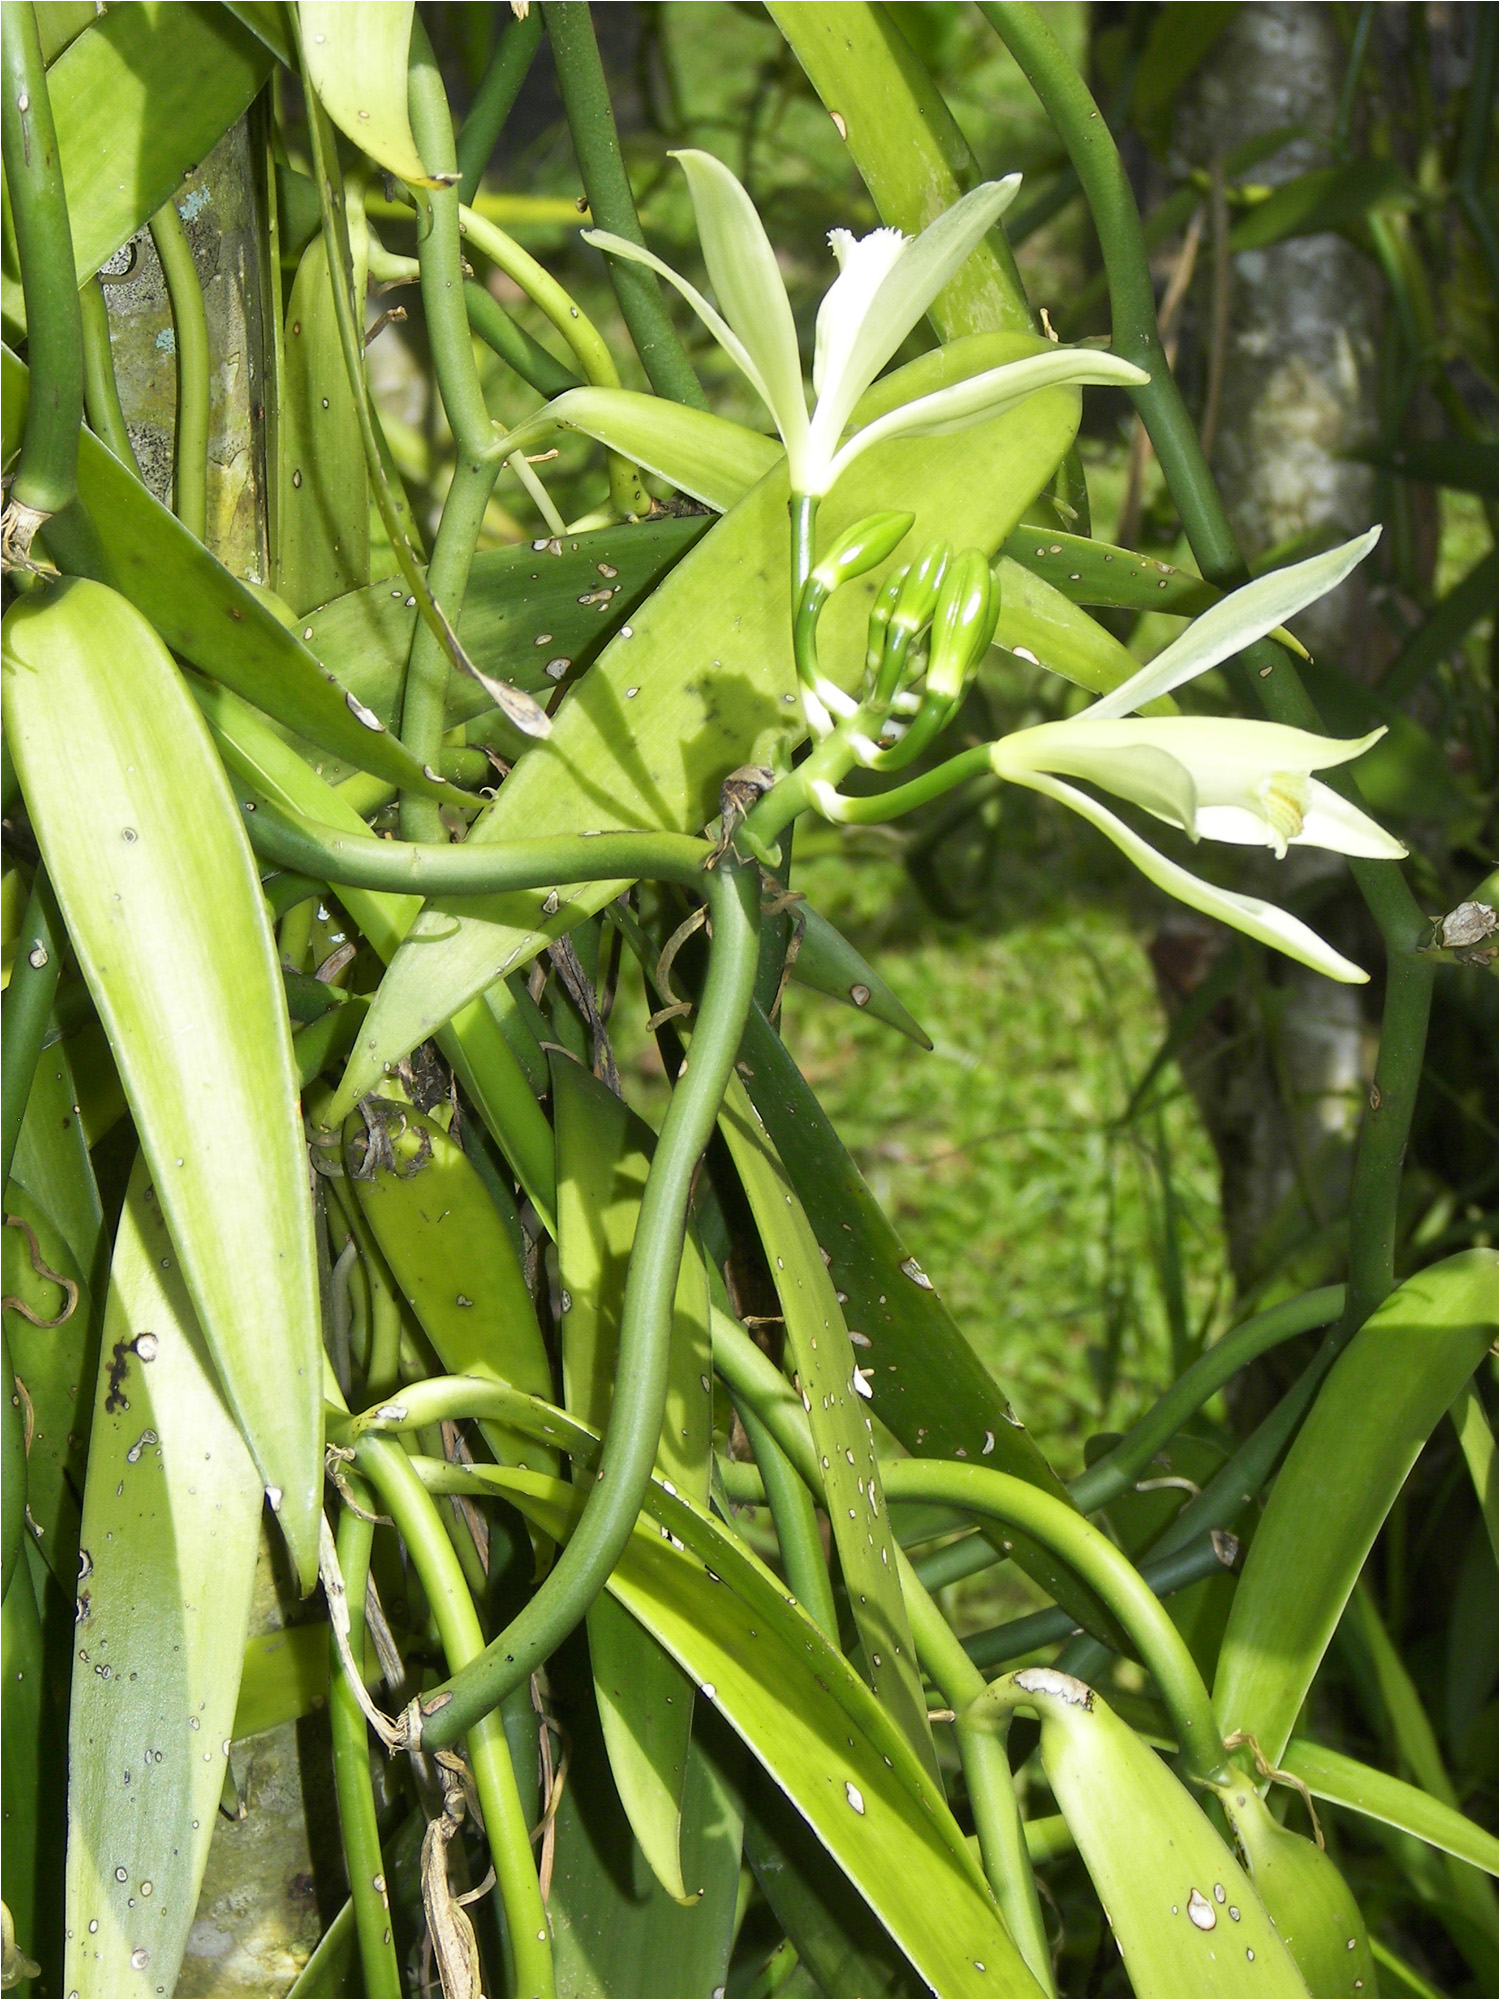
171,1522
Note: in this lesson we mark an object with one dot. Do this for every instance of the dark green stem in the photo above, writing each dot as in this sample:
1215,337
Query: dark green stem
514,345
440,254
497,92
802,1560
351,1772
634,1431
1269,670
438,869
28,1002
46,473
596,143
190,331
101,392
1165,1574
1111,1475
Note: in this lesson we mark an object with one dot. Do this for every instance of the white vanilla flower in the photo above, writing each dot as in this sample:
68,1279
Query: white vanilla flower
885,284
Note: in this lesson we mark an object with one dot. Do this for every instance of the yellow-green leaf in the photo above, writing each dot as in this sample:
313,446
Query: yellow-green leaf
356,58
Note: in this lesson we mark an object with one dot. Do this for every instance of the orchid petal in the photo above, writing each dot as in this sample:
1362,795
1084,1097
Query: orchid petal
983,396
1235,622
904,294
864,264
748,285
1262,921
1327,821
733,346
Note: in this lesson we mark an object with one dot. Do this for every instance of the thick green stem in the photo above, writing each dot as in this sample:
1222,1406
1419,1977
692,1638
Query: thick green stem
504,74
634,1431
351,1772
101,392
28,1002
986,1763
1270,671
46,472
415,1514
802,1560
611,203
356,861
440,255
190,332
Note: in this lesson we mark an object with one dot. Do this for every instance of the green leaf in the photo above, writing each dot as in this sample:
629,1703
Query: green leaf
207,615
1176,45
811,1722
1372,1416
833,1389
1044,626
1343,1781
473,1040
451,1255
1307,1898
138,99
28,1771
1463,465
645,1700
54,1364
52,1157
828,963
576,591
356,61
171,1520
144,848
714,460
699,688
1183,1911
322,489
928,1385
284,1676
1327,198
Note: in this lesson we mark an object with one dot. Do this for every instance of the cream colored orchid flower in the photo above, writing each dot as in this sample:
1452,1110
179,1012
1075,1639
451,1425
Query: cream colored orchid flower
885,283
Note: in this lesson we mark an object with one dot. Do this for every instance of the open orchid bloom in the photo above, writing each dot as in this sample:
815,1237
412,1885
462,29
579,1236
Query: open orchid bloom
886,282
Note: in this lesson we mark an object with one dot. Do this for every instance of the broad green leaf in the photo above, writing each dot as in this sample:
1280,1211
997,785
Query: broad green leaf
927,1384
449,1251
573,594
268,20
1343,1781
284,1676
138,99
53,1346
703,683
322,489
207,615
714,460
1184,1913
171,1520
1307,1898
59,21
810,1721
614,1928
1044,626
52,1157
472,1041
356,59
144,847
645,1700
25,1778
828,963
834,1390
1373,1414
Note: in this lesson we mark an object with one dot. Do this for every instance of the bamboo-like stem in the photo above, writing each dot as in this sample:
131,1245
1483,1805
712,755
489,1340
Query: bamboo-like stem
351,1770
1271,673
505,72
596,144
417,1520
190,333
45,475
634,1430
101,392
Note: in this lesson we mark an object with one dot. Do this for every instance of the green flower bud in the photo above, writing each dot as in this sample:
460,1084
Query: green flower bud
859,549
963,624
